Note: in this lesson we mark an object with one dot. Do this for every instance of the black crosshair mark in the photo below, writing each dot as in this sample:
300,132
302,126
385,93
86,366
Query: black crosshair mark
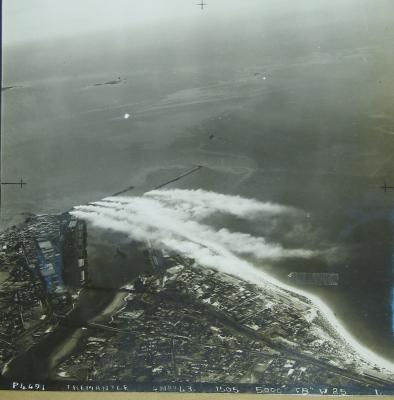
386,188
202,4
20,183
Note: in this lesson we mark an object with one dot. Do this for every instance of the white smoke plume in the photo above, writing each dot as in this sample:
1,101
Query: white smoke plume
173,219
201,204
176,225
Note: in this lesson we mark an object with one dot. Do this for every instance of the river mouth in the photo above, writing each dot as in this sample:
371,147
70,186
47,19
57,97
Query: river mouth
114,261
39,361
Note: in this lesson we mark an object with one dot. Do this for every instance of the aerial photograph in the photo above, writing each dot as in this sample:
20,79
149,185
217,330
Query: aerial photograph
197,196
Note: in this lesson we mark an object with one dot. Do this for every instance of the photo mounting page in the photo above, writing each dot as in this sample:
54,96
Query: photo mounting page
197,196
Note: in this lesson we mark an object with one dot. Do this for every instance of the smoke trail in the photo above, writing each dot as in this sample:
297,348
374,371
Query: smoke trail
176,225
148,219
201,204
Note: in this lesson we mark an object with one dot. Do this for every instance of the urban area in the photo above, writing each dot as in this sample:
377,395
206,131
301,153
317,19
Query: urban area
179,322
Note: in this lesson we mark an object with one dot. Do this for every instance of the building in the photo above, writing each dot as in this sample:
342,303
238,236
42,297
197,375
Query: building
50,266
314,278
74,253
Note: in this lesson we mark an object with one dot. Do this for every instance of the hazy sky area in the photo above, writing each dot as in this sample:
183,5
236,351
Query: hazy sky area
76,37
31,20
28,20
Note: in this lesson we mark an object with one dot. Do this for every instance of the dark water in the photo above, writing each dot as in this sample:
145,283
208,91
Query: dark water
108,272
114,260
36,363
316,134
